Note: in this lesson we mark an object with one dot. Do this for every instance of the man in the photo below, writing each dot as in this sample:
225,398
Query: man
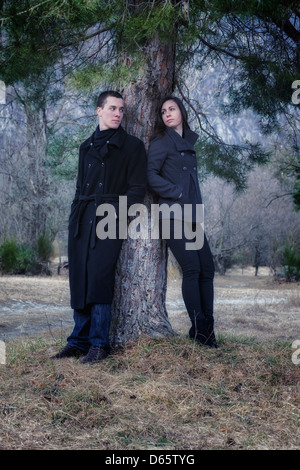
112,163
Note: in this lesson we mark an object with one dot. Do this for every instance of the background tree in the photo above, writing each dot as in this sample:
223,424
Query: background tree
251,228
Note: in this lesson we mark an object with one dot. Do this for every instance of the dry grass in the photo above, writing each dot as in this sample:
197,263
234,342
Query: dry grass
166,394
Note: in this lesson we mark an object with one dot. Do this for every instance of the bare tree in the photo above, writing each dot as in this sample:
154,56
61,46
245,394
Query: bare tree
252,226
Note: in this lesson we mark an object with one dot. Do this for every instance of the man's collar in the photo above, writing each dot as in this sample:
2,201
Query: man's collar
117,138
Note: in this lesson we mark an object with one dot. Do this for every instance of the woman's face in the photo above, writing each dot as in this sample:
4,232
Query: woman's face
171,115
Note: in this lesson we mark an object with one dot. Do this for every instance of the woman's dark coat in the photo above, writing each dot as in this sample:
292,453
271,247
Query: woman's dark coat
118,169
172,168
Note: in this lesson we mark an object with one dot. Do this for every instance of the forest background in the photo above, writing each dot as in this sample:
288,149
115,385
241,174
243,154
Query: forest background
234,64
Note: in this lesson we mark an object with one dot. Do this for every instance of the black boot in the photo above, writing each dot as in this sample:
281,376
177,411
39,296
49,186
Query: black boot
200,333
205,339
68,351
95,354
210,329
192,332
202,330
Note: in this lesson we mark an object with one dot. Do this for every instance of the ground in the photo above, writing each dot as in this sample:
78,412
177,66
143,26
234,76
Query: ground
245,305
157,393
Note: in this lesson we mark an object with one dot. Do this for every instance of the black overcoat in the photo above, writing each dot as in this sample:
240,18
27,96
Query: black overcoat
172,168
119,169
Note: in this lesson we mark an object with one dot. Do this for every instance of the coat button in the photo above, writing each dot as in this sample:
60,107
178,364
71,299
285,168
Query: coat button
91,143
184,168
195,168
102,164
100,184
182,154
87,185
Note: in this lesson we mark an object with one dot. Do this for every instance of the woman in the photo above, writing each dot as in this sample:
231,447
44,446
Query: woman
172,175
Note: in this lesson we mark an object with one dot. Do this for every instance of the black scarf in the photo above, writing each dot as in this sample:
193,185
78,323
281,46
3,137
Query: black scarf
101,137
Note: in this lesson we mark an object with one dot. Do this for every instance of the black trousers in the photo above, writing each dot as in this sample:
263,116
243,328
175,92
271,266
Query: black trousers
197,282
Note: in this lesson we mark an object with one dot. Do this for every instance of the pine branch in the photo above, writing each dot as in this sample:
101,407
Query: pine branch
219,49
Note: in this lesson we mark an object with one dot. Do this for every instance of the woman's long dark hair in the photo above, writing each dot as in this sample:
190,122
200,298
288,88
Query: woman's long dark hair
160,127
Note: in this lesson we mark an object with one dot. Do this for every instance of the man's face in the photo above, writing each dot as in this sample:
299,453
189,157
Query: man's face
111,114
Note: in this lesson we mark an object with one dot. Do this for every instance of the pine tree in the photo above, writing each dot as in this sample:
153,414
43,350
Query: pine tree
142,47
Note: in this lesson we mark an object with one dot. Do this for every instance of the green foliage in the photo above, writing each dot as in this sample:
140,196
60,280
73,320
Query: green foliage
276,9
229,162
263,86
120,74
16,259
26,262
9,255
257,36
41,31
291,262
148,19
44,248
20,259
62,152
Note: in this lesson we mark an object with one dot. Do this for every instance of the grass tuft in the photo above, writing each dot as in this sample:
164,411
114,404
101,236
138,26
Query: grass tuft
153,394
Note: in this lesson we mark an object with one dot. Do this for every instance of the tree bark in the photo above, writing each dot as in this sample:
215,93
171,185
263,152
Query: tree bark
37,184
141,276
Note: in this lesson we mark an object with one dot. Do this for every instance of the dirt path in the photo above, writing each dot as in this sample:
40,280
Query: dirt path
30,305
244,305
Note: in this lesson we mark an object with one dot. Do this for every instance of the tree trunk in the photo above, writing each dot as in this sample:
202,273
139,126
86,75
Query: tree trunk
141,276
37,184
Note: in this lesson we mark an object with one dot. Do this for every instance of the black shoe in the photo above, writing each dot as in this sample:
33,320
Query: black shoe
210,329
95,354
192,332
68,351
206,338
203,333
213,340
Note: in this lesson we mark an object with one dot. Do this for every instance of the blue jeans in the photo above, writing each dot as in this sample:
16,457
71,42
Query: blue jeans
91,327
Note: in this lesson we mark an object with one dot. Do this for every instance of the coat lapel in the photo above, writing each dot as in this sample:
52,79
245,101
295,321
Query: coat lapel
186,143
116,140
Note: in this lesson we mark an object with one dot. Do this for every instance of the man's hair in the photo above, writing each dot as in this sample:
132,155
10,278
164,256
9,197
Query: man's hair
104,95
